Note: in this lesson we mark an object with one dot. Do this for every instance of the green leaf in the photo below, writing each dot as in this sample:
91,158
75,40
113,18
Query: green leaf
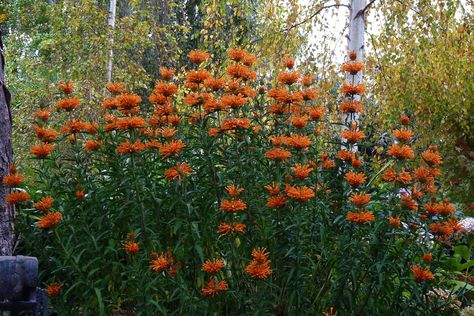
98,293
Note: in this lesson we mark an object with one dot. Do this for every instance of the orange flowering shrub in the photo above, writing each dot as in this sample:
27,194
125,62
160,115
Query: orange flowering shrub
228,193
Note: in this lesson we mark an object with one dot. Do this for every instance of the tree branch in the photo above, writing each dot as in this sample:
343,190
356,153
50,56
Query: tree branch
314,14
362,12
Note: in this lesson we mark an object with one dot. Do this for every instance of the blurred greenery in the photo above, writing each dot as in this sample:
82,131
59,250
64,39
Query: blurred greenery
423,66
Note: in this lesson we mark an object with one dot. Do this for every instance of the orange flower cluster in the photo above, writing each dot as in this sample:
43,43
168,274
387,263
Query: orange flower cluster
167,73
301,171
165,89
198,56
233,101
178,172
241,55
13,179
275,200
212,288
80,195
54,289
66,87
242,72
213,266
427,257
425,176
74,126
171,148
327,163
92,145
131,246
125,123
431,157
316,112
235,123
42,115
16,197
352,89
351,106
46,135
360,217
289,62
403,135
390,175
299,193
259,267
45,204
299,121
447,227
394,221
278,154
116,87
444,209
354,179
68,104
215,84
307,80
159,263
128,102
405,120
352,67
345,155
194,78
41,150
353,135
164,262
360,199
299,142
289,77
284,98
407,202
130,148
400,152
421,274
49,220
273,189
231,228
234,204
352,55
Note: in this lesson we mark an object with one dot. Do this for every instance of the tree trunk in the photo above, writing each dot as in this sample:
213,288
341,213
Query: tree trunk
355,39
111,24
6,154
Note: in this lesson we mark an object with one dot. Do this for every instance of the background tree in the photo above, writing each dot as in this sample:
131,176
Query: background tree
423,66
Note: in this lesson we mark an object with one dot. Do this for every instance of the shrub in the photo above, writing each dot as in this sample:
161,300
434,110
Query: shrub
220,196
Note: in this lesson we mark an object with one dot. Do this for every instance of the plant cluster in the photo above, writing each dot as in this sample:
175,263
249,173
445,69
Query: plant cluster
220,195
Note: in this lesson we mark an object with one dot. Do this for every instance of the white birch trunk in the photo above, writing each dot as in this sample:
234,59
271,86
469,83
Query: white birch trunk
355,40
111,25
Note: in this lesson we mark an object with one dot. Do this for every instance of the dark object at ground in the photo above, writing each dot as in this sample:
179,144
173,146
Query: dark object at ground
18,285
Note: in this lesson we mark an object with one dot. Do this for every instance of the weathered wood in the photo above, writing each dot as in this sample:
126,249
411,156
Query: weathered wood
6,154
